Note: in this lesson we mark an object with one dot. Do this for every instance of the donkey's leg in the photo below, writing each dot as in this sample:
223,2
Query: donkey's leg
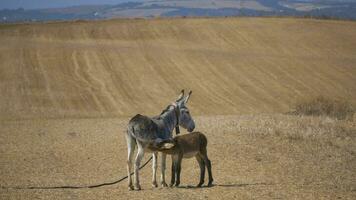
174,170
140,154
208,165
163,169
131,145
154,169
202,170
178,169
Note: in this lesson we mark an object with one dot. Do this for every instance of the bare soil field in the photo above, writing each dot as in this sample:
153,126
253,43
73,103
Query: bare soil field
253,157
68,90
120,67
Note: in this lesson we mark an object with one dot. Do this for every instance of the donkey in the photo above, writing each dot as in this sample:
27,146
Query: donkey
146,133
187,146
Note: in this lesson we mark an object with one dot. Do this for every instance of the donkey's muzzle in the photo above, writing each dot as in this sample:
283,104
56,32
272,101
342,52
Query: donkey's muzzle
191,129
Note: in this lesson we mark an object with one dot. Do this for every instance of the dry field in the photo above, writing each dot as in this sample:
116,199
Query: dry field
249,4
147,9
68,90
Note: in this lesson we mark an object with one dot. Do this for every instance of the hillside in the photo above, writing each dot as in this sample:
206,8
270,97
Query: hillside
123,67
68,90
89,10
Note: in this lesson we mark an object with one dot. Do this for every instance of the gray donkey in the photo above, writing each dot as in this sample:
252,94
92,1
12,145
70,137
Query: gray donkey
147,133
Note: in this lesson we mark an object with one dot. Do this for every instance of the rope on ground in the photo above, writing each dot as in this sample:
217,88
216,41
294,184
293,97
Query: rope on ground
74,187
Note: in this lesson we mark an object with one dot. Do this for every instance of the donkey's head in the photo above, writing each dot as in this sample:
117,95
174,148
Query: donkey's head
185,119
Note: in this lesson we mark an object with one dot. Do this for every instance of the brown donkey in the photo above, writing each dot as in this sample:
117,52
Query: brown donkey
187,146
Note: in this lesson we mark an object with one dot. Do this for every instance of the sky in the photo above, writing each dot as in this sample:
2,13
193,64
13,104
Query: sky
33,4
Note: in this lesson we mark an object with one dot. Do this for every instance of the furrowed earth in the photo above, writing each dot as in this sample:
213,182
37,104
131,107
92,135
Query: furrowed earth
69,89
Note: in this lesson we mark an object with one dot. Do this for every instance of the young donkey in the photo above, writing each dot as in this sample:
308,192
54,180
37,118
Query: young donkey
146,132
187,146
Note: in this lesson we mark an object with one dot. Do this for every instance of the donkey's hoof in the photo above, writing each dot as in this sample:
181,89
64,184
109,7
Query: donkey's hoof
131,188
137,187
200,184
210,184
176,185
171,185
164,184
154,184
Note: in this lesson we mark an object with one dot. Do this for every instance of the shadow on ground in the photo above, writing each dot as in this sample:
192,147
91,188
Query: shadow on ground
225,185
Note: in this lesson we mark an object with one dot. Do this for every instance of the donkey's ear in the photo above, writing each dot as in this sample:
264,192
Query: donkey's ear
180,97
187,98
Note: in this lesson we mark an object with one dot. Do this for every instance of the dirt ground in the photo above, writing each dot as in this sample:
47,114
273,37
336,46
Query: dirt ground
68,90
253,157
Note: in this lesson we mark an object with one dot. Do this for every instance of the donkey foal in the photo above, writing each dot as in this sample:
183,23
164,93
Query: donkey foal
187,146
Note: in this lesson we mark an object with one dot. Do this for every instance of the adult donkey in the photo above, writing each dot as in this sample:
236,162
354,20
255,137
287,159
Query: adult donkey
147,133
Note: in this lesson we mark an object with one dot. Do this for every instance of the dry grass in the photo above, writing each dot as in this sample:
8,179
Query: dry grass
321,106
286,126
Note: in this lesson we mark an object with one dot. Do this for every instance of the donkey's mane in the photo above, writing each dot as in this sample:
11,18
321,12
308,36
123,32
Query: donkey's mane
165,110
